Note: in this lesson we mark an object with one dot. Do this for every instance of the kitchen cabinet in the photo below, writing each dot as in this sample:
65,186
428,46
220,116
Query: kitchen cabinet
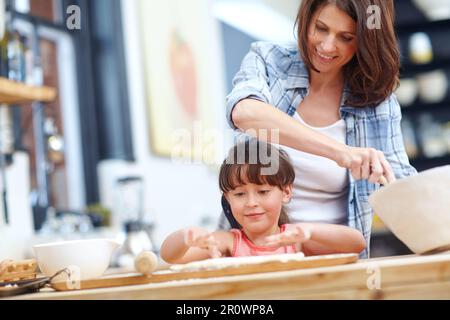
424,93
406,277
16,93
424,96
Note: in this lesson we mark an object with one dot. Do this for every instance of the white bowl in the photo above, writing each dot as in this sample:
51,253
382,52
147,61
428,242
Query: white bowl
90,258
433,86
417,209
407,92
434,9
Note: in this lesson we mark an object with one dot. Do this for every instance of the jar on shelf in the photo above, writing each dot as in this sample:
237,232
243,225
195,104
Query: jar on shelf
433,86
432,137
420,48
407,92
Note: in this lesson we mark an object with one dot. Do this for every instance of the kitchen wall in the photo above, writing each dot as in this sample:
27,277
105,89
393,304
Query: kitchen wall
16,236
288,8
176,195
181,195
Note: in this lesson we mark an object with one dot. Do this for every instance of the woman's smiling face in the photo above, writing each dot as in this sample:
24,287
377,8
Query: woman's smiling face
332,39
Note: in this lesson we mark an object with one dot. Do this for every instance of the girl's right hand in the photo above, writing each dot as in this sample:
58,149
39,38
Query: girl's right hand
366,164
294,234
200,238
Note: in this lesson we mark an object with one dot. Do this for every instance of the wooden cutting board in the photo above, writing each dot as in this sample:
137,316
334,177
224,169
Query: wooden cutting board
169,275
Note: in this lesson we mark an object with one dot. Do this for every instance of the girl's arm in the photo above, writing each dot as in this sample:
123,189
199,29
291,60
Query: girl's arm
329,239
193,244
320,239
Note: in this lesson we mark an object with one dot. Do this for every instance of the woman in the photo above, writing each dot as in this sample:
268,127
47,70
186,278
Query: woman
331,98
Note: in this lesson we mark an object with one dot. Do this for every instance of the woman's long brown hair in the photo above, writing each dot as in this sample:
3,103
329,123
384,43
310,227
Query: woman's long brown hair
373,74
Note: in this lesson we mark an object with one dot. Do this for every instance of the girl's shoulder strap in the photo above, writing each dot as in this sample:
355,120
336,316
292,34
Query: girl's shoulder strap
237,241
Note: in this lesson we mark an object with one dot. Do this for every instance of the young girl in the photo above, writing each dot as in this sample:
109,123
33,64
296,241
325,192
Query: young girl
256,201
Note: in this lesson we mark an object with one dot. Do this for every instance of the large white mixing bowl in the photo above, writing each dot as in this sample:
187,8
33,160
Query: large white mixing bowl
90,258
417,210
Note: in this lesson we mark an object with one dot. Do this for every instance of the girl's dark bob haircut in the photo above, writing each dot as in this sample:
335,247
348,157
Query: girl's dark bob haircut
246,163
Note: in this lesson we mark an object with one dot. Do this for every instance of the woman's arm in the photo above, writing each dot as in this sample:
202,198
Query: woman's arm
193,244
330,238
251,115
320,239
249,108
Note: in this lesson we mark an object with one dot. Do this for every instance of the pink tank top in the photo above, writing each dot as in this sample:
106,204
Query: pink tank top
243,247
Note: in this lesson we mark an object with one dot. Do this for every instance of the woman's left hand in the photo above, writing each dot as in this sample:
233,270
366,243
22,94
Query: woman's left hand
292,235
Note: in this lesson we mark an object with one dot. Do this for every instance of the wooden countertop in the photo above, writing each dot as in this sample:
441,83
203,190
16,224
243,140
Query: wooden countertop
405,277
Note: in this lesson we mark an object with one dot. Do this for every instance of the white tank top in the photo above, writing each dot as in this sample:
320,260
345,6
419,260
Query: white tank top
321,186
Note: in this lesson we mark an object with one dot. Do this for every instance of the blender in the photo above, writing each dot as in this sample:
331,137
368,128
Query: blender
137,233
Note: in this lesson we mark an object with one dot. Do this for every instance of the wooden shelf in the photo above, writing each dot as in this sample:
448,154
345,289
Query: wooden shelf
423,163
12,92
422,26
409,69
421,107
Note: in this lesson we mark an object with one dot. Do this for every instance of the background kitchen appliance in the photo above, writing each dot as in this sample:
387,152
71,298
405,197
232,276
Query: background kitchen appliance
137,236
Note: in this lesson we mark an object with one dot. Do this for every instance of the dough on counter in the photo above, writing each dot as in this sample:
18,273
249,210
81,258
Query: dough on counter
146,262
235,262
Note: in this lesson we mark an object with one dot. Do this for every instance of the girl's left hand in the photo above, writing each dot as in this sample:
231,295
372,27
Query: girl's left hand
195,237
292,235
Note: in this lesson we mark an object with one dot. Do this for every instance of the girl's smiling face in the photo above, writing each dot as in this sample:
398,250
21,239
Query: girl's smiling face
257,208
332,39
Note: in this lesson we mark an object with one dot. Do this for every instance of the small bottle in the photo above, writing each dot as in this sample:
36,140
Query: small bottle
409,138
6,123
16,57
4,39
420,48
29,62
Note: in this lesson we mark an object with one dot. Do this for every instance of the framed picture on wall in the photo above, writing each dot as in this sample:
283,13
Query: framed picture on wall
176,40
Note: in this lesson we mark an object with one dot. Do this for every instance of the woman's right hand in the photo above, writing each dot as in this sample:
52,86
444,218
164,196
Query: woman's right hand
366,164
201,238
